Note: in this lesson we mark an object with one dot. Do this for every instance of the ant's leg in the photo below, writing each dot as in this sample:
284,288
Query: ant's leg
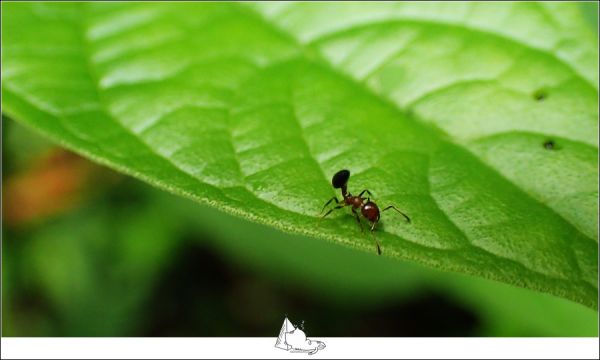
376,242
362,229
338,206
329,202
365,191
401,213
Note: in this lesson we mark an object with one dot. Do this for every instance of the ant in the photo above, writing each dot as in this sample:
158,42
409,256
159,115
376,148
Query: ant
368,208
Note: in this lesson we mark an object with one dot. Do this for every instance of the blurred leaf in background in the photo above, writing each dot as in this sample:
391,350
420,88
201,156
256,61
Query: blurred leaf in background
134,261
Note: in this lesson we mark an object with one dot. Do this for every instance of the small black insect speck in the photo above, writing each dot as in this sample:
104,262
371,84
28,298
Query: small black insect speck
368,208
540,95
549,145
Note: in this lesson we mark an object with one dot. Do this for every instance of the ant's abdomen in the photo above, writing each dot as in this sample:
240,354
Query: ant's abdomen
370,211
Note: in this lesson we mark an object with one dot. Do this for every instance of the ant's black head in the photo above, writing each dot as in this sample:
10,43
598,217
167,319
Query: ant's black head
340,179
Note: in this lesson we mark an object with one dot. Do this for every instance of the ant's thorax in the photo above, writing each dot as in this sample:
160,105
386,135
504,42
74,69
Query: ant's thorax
356,202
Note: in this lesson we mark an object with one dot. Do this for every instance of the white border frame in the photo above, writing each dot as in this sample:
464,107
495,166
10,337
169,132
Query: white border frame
264,348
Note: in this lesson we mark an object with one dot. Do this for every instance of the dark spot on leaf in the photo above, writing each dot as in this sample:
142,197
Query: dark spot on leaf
550,145
540,95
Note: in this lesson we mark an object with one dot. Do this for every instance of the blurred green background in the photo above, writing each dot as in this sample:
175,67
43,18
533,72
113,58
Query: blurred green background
88,252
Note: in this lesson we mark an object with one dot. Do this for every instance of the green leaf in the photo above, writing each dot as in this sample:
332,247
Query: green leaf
441,109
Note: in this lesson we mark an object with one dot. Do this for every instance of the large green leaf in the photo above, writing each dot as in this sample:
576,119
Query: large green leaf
442,109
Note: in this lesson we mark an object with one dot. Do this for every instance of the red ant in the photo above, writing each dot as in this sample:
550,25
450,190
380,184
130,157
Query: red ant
368,208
